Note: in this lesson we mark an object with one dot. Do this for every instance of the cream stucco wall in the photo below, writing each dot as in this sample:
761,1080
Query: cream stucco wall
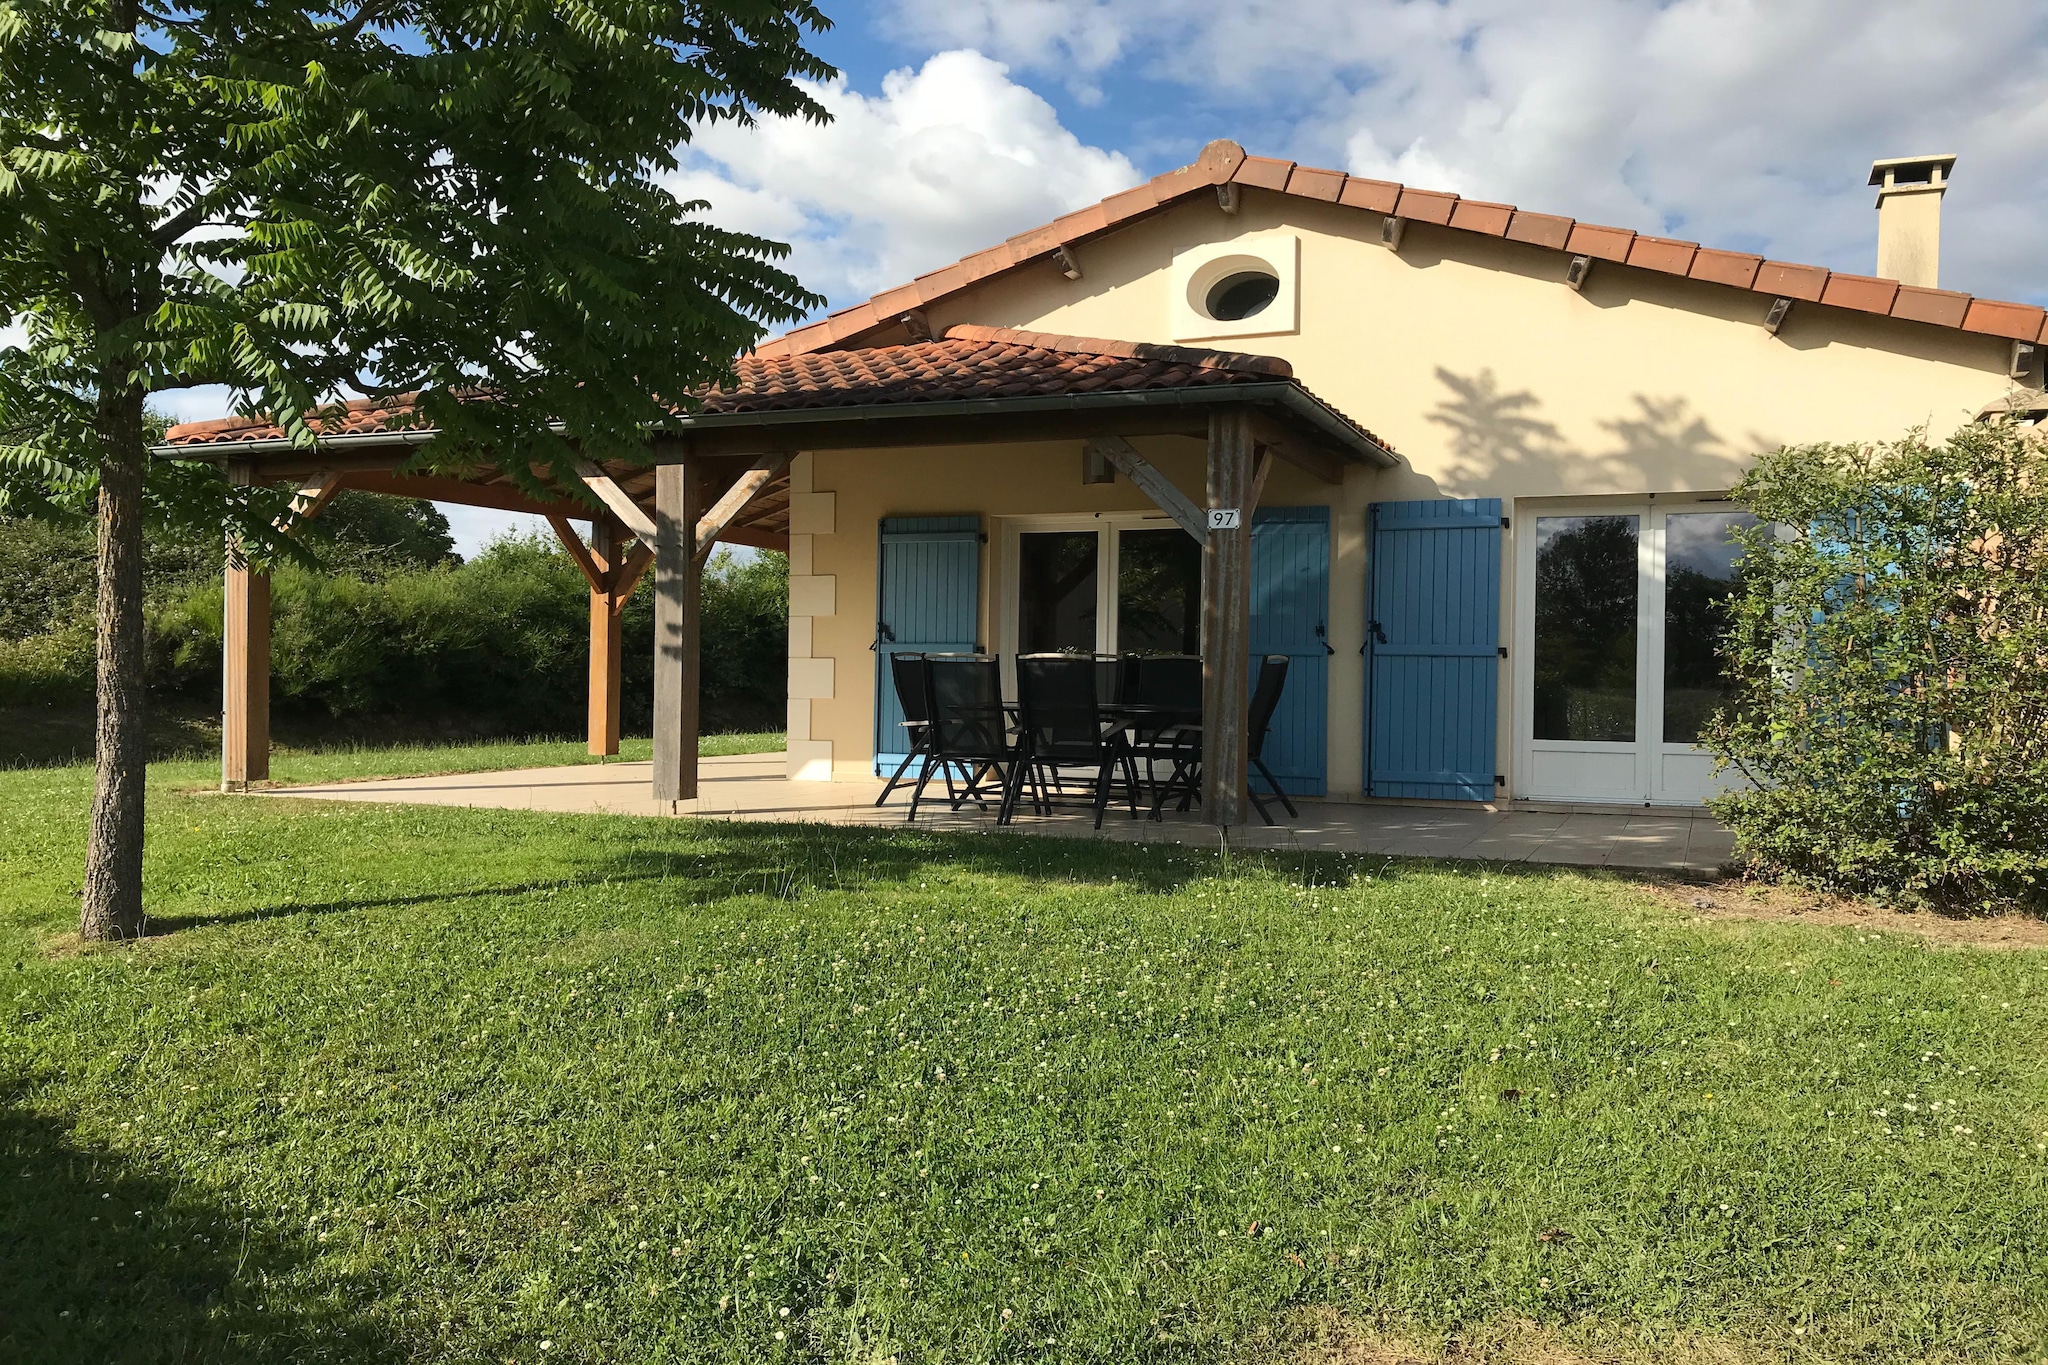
1467,354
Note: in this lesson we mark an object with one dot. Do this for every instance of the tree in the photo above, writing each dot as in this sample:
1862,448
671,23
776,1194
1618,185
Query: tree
1888,649
301,200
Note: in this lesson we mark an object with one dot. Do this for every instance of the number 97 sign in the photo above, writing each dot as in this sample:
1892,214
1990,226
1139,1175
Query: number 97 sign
1225,518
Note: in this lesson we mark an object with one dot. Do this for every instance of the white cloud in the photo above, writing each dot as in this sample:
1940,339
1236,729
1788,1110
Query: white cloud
946,160
1738,122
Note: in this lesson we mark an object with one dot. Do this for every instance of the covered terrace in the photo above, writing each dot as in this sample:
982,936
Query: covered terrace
718,473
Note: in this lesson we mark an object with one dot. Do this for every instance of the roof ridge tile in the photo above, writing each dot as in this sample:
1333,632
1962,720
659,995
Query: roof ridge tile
1225,162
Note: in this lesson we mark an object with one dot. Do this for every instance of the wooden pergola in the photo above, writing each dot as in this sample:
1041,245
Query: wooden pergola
721,475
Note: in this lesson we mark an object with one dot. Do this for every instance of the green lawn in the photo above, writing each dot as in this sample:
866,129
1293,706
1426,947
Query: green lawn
468,1085
345,764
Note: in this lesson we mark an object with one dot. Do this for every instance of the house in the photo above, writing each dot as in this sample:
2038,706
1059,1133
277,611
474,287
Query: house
1464,464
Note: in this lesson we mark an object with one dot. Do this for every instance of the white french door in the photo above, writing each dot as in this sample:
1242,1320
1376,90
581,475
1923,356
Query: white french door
1619,612
1110,584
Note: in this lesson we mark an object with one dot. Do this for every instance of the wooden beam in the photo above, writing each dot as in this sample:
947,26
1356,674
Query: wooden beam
316,492
1312,459
631,513
678,624
911,428
1263,461
744,490
628,574
597,577
1226,621
1153,485
245,665
607,634
758,537
503,497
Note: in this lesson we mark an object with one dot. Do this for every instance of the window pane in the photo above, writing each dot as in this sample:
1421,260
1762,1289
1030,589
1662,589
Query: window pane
1158,593
1701,563
1056,592
1586,628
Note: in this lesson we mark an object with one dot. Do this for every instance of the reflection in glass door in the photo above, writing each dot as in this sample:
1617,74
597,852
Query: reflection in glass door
1158,592
1620,618
1586,594
1056,586
1701,565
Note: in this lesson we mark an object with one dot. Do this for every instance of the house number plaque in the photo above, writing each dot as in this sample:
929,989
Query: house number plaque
1225,518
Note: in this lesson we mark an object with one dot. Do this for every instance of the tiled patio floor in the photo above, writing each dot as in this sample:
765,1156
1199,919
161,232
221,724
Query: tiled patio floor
752,787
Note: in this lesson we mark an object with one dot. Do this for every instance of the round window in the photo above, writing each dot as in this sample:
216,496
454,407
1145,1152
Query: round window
1241,295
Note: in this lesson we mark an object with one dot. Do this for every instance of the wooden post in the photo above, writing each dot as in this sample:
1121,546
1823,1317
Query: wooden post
607,638
678,587
1226,620
244,665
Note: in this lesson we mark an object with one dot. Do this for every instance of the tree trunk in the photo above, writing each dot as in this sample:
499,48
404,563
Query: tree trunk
113,855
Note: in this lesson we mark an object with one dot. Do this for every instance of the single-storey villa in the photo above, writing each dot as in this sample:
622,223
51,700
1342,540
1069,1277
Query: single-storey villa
1466,465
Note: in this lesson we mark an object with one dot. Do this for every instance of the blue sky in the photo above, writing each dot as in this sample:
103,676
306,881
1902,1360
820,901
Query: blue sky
1747,124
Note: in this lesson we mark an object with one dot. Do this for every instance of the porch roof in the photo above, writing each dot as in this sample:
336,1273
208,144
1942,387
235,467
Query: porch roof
972,385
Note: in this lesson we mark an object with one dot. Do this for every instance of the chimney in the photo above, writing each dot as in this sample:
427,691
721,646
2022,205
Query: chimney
1909,190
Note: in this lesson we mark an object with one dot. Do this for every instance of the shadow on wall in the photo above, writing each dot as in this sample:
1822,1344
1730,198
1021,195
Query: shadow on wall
103,1261
1499,436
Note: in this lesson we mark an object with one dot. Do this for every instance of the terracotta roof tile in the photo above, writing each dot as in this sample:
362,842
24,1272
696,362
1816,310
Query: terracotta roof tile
1310,183
968,362
1219,161
1473,215
1426,206
1263,172
1942,307
357,417
1224,161
1379,196
2020,321
1540,229
1601,243
1666,254
1860,292
1725,267
1807,282
1142,198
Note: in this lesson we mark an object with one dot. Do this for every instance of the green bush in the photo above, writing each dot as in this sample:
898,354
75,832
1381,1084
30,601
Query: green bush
499,643
1889,648
393,624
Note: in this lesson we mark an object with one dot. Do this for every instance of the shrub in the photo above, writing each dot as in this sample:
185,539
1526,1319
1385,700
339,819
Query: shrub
499,643
1889,650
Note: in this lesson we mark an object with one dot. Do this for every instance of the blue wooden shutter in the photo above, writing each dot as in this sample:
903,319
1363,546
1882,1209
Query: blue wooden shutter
928,601
1433,648
1291,616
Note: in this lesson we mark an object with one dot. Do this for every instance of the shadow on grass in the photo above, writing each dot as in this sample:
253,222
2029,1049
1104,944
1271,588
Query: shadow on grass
698,863
103,1262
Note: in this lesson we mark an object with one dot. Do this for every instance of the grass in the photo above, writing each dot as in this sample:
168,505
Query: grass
402,1084
354,762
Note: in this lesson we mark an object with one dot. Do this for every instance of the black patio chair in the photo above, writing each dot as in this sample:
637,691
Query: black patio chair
1265,701
969,731
1164,692
1061,716
1184,746
913,694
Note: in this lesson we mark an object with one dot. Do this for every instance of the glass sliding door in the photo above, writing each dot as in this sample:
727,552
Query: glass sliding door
1701,565
1057,580
1158,592
1620,615
1587,593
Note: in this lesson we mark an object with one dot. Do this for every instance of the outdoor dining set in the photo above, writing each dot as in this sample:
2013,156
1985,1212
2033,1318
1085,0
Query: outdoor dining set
1083,728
